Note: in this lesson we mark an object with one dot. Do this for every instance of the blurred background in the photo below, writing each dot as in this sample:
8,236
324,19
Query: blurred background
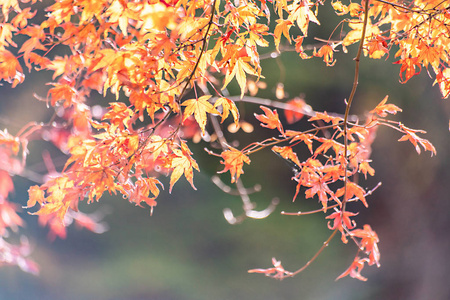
187,250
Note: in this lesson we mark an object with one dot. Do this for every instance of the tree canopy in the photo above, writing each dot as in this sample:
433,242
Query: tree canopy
170,65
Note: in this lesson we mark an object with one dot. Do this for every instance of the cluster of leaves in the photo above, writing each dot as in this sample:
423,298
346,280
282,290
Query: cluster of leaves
153,52
336,159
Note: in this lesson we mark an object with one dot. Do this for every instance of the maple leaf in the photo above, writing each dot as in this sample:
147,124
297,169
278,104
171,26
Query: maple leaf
411,135
282,27
239,69
301,13
299,48
320,187
7,5
355,9
41,61
328,144
10,69
21,19
119,114
181,164
430,55
409,65
365,168
356,33
270,119
326,51
37,35
143,187
326,118
61,92
376,47
340,8
234,160
6,35
304,137
443,80
287,153
341,219
227,107
35,194
369,240
355,269
199,107
383,109
353,190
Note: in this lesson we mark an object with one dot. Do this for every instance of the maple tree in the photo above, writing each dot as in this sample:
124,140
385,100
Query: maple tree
169,63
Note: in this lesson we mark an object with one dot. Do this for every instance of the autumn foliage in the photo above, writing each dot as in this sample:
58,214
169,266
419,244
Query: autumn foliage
169,65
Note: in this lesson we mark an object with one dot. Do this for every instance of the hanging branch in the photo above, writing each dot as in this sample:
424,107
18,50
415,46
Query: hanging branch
247,205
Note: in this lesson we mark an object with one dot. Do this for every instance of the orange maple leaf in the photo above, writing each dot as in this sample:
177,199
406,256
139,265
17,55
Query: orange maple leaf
61,92
233,159
326,118
383,109
411,135
369,240
10,69
142,189
443,80
409,65
300,136
270,119
320,187
365,168
353,190
341,219
355,269
376,47
287,153
326,51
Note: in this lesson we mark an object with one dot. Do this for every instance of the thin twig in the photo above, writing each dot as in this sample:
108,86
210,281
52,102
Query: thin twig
351,97
345,125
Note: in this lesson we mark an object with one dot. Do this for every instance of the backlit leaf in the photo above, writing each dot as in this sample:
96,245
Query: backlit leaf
199,108
234,160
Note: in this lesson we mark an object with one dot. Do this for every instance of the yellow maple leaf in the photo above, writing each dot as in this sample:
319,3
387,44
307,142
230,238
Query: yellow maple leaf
199,107
282,27
227,107
301,13
182,163
356,34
